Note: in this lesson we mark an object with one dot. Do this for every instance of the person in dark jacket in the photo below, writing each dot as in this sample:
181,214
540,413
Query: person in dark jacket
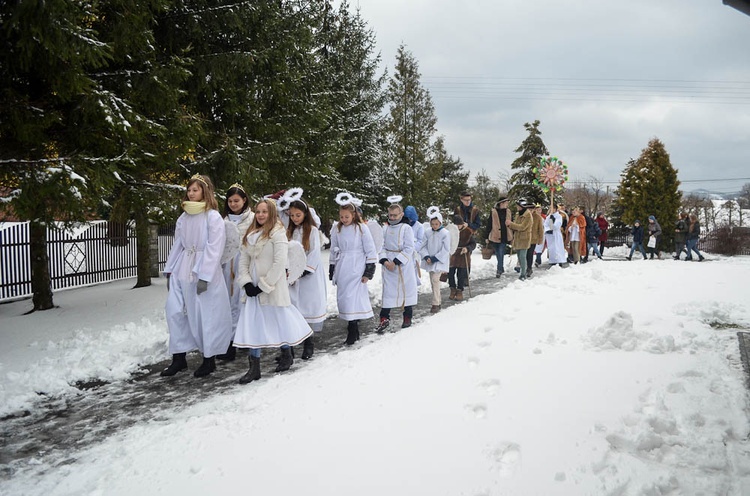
680,235
637,233
592,237
693,235
468,212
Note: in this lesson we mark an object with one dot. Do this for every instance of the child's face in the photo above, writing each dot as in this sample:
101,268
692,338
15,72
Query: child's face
296,216
195,192
346,217
236,203
261,213
435,224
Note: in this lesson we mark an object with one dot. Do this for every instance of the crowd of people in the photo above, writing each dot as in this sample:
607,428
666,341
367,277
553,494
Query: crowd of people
230,283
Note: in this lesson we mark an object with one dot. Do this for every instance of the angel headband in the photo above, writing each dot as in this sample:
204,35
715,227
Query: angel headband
434,213
291,195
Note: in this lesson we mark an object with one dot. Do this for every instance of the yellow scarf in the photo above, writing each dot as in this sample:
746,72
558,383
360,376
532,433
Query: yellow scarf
192,208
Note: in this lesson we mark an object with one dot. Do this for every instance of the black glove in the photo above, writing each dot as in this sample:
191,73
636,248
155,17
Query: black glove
369,270
252,290
202,286
397,261
305,273
330,272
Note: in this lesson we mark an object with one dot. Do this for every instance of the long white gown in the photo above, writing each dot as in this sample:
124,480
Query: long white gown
309,293
201,322
555,245
436,244
268,326
400,284
351,248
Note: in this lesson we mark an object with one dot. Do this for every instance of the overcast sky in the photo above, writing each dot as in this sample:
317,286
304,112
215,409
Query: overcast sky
603,77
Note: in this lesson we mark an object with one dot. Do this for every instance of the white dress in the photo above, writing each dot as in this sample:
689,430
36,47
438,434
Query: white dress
351,248
263,323
400,284
230,268
201,322
436,244
555,245
419,234
309,293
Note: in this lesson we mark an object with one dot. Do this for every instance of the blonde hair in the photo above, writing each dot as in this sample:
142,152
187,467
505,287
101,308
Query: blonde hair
271,223
208,191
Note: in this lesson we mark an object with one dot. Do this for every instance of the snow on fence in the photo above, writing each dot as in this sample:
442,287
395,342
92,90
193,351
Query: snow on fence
90,253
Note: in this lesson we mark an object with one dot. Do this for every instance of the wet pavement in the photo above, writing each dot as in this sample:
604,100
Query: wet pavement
59,426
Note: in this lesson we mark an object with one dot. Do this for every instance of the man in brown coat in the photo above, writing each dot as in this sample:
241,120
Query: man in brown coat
500,235
460,262
537,237
522,232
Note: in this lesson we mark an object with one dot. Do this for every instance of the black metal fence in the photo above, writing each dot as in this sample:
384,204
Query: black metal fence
91,253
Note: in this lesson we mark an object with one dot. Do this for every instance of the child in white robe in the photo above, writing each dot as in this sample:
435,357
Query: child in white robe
435,252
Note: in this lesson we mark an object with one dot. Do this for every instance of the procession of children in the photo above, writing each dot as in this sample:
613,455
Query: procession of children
255,278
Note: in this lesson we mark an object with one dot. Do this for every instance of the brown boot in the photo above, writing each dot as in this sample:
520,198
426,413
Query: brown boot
435,309
453,294
459,295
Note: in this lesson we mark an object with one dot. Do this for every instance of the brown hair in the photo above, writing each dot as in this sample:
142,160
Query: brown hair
306,225
208,191
357,220
271,222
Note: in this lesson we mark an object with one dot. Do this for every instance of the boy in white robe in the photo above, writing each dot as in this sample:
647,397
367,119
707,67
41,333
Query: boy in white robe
435,252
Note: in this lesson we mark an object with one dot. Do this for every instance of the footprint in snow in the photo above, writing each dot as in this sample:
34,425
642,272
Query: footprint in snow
490,386
479,410
507,458
473,362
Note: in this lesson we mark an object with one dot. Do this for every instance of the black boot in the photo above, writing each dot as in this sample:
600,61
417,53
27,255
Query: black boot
253,373
179,362
230,355
352,332
208,366
286,360
278,357
308,347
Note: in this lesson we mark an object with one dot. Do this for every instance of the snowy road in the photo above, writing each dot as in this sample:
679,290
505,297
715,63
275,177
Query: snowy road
59,426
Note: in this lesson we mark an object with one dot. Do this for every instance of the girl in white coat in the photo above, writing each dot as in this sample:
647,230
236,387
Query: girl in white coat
553,236
267,318
198,314
308,293
352,265
236,209
435,253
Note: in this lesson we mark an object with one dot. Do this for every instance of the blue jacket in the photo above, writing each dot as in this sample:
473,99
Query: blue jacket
637,234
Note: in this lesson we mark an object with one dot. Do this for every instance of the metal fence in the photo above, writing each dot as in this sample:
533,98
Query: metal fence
90,253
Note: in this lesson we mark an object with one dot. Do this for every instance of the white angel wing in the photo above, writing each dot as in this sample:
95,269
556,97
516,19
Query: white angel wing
377,234
453,230
296,261
232,241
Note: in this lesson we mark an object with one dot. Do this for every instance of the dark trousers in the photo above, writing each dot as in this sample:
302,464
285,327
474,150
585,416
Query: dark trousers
386,312
530,258
463,277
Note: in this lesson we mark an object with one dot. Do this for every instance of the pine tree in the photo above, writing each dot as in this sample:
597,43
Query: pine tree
649,186
52,113
453,177
532,149
409,129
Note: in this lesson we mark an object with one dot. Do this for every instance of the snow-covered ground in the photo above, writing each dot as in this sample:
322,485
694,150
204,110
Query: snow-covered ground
618,378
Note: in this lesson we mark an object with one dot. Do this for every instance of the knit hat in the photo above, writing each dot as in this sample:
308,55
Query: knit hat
637,222
411,213
651,217
458,220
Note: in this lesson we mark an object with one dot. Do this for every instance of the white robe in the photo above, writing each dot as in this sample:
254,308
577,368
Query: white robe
309,293
419,234
268,320
202,322
399,284
555,245
351,249
436,244
230,268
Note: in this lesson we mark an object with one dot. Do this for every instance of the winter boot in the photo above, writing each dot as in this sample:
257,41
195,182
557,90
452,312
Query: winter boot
208,366
308,347
406,323
701,258
253,373
384,323
453,294
435,309
529,272
286,360
459,295
230,355
352,332
278,357
179,362
629,258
